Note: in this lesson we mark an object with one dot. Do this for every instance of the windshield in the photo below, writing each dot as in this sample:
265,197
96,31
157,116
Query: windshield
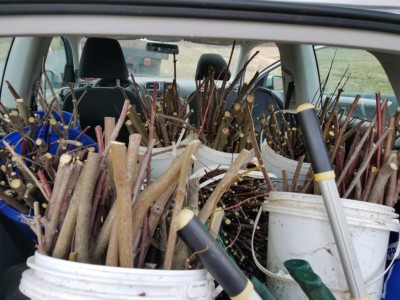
141,62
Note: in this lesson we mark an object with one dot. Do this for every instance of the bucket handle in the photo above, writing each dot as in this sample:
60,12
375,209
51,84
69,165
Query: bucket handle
280,275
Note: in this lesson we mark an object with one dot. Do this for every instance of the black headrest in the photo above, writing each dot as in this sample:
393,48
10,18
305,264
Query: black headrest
217,62
103,58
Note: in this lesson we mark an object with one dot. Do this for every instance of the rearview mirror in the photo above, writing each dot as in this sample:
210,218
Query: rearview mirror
162,48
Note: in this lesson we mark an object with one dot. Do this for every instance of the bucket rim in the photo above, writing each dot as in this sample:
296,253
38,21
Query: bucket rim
190,137
284,162
204,149
35,261
36,287
347,203
224,168
381,224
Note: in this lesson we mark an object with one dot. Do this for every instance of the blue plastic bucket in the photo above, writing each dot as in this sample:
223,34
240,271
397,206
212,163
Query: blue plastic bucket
391,287
49,136
67,116
25,235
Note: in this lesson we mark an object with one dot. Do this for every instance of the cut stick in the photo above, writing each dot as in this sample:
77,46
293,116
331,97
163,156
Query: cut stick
117,128
365,163
156,213
389,141
296,174
54,207
99,138
73,178
112,249
21,164
182,251
163,129
60,179
83,228
104,235
12,202
391,196
109,125
179,199
41,242
124,208
157,209
284,181
358,189
103,238
22,111
151,193
244,157
257,152
83,192
383,175
223,139
370,182
132,158
20,188
344,127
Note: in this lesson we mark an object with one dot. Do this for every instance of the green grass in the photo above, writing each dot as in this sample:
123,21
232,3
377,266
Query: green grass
365,74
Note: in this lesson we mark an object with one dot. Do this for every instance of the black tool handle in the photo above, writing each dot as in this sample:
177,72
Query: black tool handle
314,142
213,257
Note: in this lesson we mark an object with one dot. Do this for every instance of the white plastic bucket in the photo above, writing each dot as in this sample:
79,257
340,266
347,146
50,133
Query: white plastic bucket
275,163
162,157
207,156
56,279
299,228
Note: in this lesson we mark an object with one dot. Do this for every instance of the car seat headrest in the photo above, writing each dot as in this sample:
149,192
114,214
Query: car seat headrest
102,58
217,62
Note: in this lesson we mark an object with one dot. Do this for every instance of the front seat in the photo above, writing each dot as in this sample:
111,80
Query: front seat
102,58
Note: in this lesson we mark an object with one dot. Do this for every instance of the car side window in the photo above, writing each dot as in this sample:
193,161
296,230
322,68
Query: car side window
5,46
359,73
55,62
264,60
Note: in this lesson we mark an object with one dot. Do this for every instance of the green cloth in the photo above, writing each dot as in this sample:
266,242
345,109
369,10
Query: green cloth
309,282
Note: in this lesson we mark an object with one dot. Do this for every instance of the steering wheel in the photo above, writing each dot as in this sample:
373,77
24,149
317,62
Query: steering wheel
111,83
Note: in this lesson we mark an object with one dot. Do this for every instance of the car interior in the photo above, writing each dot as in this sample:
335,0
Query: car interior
97,72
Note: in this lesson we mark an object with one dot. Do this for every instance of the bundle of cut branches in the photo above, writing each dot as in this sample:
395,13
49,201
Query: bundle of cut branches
368,171
362,153
21,117
170,124
282,133
99,208
223,121
29,161
235,214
